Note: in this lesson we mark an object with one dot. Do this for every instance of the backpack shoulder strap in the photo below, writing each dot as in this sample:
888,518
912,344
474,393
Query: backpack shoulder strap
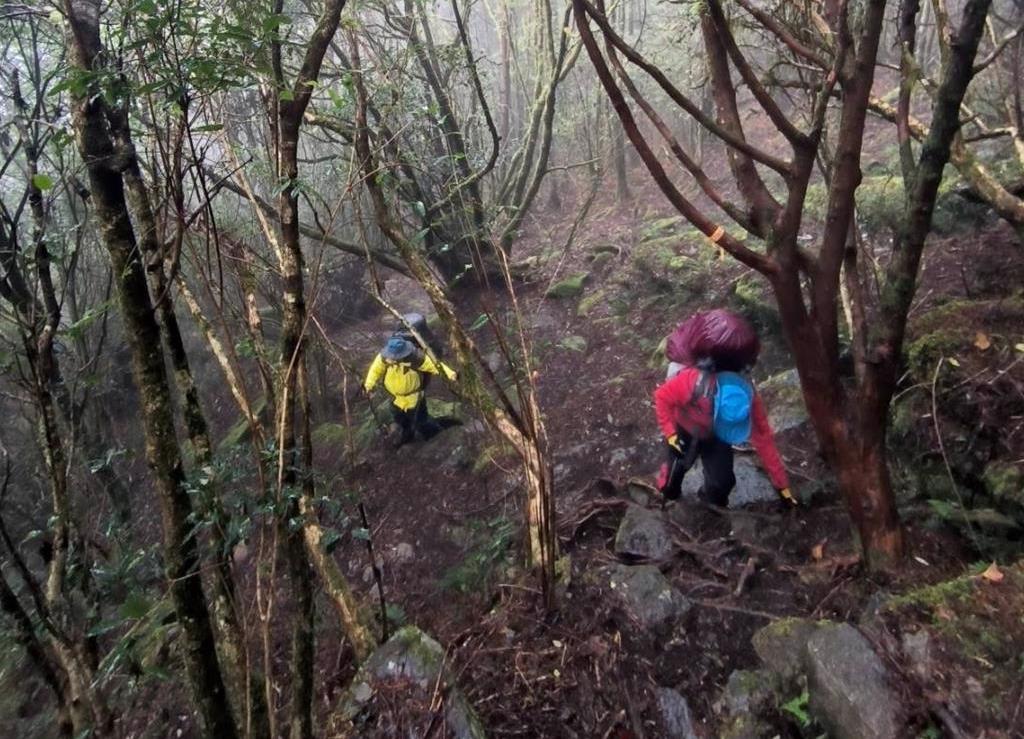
704,388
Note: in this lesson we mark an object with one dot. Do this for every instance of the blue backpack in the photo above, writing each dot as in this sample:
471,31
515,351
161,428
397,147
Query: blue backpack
733,407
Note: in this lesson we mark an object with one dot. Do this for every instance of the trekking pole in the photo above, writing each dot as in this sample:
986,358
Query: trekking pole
376,573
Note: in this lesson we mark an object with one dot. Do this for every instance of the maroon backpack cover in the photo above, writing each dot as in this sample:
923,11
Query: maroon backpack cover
720,335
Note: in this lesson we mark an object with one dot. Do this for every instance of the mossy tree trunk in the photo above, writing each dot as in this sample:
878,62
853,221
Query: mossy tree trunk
522,428
65,661
302,532
248,702
106,163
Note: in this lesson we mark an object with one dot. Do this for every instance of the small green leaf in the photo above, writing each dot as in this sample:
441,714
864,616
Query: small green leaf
273,22
42,182
479,322
136,606
361,534
330,540
420,209
797,708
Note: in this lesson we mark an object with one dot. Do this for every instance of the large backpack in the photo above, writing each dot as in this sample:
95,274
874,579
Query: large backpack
719,335
418,322
732,404
733,407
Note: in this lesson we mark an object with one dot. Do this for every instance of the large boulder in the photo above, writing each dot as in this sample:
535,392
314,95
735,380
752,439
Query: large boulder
848,685
752,485
782,644
413,662
643,534
645,595
784,401
676,717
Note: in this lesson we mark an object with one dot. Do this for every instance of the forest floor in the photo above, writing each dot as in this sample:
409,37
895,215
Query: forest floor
446,515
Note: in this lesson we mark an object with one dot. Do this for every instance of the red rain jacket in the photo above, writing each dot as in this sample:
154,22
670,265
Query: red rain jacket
674,411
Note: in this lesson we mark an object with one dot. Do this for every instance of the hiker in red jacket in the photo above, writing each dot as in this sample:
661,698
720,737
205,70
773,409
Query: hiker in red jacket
708,406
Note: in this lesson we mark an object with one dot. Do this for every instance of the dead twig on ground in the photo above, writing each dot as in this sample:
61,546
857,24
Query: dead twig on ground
570,529
738,609
748,570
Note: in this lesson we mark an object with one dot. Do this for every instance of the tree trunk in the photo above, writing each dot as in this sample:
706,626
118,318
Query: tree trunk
300,530
862,468
525,430
181,557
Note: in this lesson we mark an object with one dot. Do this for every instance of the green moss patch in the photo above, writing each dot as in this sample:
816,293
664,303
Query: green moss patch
571,287
975,634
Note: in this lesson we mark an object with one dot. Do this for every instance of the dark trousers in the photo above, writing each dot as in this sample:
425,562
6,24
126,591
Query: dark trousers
715,458
414,420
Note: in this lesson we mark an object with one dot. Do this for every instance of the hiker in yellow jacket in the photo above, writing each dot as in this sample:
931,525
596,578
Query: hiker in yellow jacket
402,367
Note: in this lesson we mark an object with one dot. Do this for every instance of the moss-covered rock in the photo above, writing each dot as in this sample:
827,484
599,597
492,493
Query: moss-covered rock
591,301
849,686
574,343
660,226
1005,483
784,400
644,594
571,287
415,663
444,408
748,695
781,646
609,249
643,534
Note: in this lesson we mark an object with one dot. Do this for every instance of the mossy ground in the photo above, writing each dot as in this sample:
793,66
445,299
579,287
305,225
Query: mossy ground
975,627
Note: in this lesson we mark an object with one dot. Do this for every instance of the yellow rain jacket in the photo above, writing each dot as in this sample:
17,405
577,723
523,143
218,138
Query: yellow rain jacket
402,380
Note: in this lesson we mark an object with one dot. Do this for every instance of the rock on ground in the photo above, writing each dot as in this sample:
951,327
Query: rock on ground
411,655
675,714
784,401
782,644
643,534
847,685
403,553
752,485
747,694
646,595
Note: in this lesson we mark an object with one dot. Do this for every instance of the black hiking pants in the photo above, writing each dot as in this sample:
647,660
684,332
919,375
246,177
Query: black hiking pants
716,459
414,420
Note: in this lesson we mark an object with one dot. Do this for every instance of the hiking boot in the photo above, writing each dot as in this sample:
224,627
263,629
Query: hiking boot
401,438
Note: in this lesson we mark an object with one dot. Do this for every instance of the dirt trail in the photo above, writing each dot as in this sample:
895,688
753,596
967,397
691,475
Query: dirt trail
446,514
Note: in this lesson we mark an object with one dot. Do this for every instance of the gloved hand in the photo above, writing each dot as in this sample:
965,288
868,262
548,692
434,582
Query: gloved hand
673,441
787,495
